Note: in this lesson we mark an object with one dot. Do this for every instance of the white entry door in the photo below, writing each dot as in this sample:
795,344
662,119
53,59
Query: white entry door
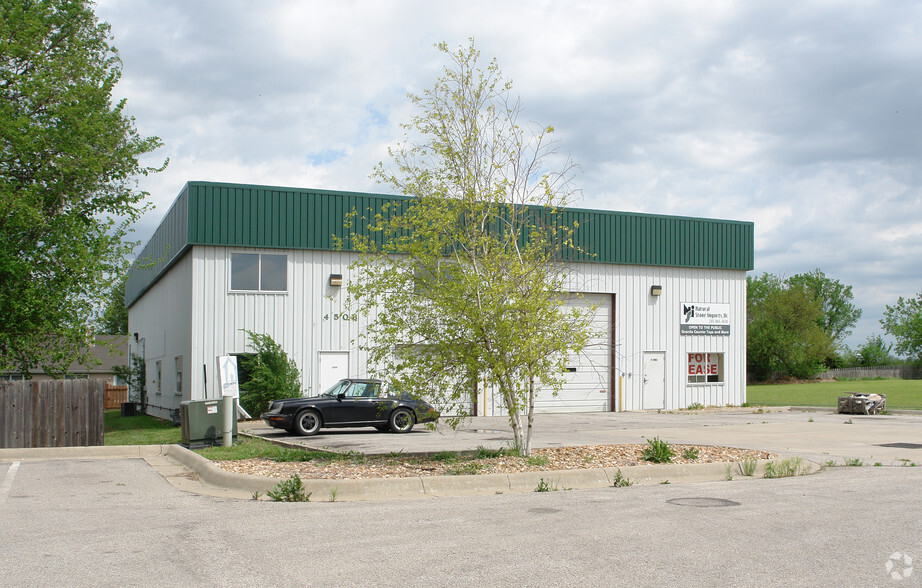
654,379
332,366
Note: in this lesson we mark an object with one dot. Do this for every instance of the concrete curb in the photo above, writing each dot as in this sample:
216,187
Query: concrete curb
95,452
440,486
414,487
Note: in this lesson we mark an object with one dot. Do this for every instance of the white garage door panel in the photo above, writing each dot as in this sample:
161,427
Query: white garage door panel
588,388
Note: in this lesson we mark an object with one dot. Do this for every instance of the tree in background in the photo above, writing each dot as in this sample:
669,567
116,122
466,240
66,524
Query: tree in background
462,283
69,158
784,333
838,313
874,352
903,320
271,375
114,317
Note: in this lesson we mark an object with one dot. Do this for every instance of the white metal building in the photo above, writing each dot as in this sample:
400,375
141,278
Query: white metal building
670,293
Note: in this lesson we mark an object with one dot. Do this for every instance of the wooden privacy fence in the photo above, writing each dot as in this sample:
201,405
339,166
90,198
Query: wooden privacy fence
902,372
57,413
115,396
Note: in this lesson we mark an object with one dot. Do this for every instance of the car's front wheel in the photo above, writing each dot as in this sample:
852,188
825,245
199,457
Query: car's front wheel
307,422
402,421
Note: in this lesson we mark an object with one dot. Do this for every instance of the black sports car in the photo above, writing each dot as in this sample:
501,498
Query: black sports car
350,403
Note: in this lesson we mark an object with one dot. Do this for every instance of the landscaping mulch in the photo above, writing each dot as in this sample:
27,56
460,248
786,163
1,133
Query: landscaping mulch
546,459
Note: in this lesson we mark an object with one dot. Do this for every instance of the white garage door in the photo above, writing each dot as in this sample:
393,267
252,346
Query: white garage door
587,386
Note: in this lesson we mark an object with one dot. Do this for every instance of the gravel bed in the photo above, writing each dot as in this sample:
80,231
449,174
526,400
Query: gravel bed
556,458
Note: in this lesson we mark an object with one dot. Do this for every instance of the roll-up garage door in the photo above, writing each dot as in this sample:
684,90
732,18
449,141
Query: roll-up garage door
587,386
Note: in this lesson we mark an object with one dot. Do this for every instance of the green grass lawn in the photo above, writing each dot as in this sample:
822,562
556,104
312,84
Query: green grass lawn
139,430
901,394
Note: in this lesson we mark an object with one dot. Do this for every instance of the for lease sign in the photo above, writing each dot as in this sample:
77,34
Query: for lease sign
704,318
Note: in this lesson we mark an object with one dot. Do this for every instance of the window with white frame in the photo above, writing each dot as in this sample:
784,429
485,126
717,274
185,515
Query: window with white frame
705,368
259,272
178,375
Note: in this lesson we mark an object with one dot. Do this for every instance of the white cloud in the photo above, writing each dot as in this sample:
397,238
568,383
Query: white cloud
800,117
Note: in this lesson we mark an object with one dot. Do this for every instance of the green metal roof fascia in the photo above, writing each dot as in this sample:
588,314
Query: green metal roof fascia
244,215
168,244
239,215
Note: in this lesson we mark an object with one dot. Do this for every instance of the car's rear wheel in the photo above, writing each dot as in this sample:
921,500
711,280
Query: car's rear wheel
402,421
308,422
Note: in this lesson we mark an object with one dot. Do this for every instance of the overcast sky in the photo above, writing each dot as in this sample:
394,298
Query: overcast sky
804,117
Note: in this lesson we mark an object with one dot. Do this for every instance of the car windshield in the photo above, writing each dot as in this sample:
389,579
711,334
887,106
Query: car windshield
337,388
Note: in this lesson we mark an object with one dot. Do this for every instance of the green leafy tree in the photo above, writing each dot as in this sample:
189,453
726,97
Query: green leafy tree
135,374
114,317
783,330
462,282
272,375
69,159
838,314
903,321
874,352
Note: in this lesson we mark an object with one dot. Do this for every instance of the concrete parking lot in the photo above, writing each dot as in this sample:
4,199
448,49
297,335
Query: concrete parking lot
817,434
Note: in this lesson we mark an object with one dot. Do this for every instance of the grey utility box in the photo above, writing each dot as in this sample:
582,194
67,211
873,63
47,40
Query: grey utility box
202,423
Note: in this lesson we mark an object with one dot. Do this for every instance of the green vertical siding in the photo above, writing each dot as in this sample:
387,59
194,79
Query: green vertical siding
238,215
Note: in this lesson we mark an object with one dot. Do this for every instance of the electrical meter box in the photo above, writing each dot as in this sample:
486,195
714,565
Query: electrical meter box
202,423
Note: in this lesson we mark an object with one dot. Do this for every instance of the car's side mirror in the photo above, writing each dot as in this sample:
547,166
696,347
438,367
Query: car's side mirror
341,395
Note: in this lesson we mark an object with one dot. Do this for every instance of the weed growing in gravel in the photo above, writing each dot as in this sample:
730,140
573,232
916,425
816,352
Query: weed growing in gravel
485,453
690,454
334,492
830,463
469,468
621,481
749,465
729,472
291,490
664,482
793,466
854,463
538,460
695,406
445,456
658,451
877,464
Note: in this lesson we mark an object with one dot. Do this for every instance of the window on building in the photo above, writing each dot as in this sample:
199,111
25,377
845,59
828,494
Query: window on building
705,368
179,375
259,272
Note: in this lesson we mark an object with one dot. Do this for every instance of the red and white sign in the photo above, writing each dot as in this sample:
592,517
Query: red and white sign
703,364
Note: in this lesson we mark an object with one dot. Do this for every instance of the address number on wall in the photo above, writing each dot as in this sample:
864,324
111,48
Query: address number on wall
341,316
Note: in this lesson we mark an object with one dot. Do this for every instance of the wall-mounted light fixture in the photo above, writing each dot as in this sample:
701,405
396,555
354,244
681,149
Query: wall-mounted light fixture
336,280
656,290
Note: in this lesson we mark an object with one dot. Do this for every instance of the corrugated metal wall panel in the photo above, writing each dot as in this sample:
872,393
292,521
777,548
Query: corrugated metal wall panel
648,323
196,315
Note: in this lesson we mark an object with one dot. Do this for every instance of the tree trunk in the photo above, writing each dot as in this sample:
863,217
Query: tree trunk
531,415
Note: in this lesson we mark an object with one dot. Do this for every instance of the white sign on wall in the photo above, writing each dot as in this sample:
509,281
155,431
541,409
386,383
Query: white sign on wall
227,376
704,318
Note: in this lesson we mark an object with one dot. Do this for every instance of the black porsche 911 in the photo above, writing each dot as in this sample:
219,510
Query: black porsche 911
350,403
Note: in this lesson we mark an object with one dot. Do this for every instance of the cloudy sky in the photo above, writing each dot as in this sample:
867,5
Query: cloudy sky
804,117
